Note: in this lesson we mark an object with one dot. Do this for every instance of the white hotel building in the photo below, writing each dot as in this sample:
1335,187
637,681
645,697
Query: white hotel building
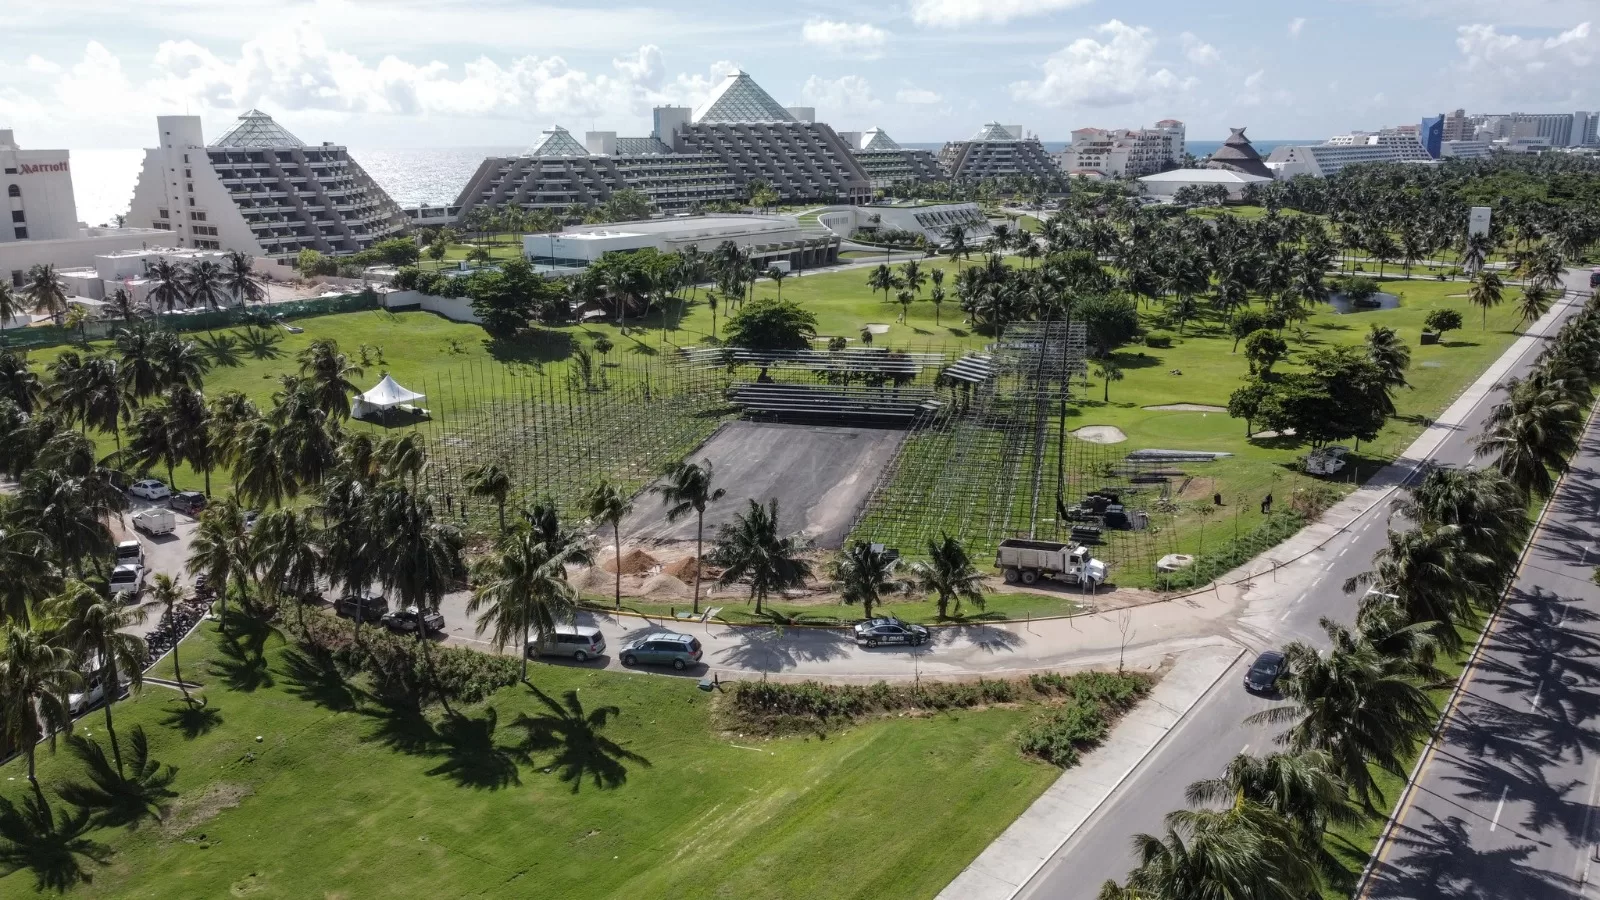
41,226
259,189
1124,153
1327,158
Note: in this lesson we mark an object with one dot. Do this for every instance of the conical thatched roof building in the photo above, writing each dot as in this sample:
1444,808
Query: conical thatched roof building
1237,155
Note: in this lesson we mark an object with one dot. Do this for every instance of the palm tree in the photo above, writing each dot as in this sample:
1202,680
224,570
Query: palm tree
169,286
419,557
1389,354
607,505
190,420
1536,300
26,574
11,305
1242,851
905,298
749,547
522,588
1487,290
949,572
403,456
206,284
68,510
687,488
777,276
286,546
328,373
883,279
493,482
261,475
179,360
35,676
937,297
1300,787
166,593
865,574
1108,370
45,292
153,441
105,402
18,382
241,280
1531,434
93,627
1434,575
1359,706
139,367
1481,502
122,306
221,551
912,276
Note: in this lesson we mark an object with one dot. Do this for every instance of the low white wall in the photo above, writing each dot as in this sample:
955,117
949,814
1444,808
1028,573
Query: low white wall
456,309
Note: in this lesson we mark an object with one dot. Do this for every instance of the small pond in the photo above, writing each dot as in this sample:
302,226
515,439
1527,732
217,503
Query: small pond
1342,304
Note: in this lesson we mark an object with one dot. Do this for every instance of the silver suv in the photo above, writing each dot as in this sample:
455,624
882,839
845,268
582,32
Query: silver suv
663,648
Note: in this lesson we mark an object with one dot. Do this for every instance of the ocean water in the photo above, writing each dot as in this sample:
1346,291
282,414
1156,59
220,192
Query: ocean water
103,180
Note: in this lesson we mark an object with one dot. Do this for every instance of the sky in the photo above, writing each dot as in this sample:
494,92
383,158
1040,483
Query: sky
84,74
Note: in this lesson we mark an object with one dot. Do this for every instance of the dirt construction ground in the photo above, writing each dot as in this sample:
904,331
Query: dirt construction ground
820,475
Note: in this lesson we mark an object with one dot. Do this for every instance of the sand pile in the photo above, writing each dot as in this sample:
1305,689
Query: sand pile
683,570
634,562
663,587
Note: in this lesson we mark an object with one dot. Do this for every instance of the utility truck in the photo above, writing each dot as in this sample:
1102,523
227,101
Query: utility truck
1028,561
154,521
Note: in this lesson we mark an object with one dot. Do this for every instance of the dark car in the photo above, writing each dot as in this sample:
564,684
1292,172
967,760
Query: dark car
372,607
408,620
874,632
1264,672
188,502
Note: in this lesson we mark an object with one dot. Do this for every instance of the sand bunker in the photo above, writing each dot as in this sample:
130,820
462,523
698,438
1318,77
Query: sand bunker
634,562
1188,407
1100,434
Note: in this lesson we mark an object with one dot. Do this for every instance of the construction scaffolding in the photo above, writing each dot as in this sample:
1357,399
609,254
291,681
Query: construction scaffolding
559,432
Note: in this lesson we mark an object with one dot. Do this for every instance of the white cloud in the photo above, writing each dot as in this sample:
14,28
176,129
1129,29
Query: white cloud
295,70
1295,25
917,96
858,39
41,66
1108,72
1255,91
847,93
1530,68
955,13
1197,51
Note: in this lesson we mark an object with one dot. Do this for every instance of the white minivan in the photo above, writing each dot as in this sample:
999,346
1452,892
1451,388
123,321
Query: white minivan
581,642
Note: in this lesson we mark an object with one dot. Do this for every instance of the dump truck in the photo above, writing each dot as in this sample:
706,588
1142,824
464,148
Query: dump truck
1028,561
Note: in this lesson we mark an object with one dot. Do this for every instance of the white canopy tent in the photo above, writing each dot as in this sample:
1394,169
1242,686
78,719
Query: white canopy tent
386,395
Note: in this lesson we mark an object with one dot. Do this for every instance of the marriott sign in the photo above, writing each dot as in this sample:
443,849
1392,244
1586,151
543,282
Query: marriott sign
39,168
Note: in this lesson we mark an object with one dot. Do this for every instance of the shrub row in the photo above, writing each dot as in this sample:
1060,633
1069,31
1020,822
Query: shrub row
396,665
1097,697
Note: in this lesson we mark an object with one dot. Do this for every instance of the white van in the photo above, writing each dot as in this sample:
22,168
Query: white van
581,642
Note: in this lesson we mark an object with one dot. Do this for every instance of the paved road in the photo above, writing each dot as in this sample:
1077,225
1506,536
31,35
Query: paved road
1504,805
1213,732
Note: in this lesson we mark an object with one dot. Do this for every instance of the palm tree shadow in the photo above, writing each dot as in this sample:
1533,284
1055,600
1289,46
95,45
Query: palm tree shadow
49,842
400,722
261,344
472,757
314,676
193,719
573,735
114,798
244,654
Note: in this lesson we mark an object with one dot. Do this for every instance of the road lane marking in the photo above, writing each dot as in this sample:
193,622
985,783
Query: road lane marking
1586,857
1537,692
1344,551
1499,807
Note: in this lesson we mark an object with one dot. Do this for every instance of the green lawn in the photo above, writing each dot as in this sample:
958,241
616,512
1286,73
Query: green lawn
331,804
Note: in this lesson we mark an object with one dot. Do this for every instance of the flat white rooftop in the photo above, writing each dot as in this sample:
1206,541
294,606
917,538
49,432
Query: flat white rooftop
684,225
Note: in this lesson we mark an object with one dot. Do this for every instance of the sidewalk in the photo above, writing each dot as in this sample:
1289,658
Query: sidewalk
1023,848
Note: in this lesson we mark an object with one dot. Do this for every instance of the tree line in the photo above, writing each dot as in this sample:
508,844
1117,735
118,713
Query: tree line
1361,705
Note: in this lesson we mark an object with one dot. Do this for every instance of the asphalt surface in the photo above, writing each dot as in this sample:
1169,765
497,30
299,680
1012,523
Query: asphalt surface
1214,731
820,477
1504,804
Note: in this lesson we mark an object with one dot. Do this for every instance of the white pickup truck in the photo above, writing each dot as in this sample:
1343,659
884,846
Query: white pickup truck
1028,561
